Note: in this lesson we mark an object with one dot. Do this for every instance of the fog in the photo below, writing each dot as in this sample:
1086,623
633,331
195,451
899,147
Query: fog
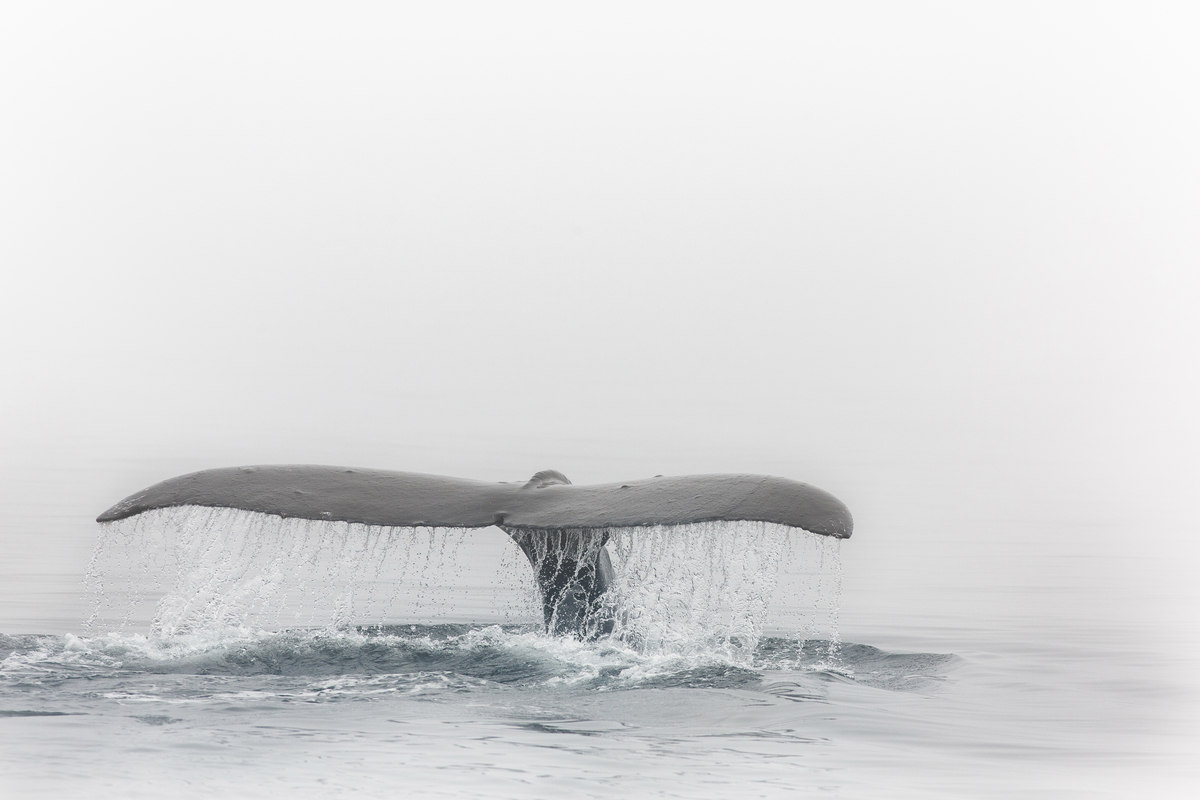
940,261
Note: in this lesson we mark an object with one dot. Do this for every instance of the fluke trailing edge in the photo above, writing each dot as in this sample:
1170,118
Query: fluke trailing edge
548,501
561,528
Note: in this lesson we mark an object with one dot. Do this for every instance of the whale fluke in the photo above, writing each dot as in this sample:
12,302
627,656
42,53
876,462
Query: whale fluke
561,527
548,501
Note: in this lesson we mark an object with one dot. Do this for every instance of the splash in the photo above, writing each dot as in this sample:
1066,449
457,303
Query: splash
191,569
715,588
719,586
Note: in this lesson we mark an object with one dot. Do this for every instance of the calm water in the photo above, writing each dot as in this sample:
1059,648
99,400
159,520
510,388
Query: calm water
1033,666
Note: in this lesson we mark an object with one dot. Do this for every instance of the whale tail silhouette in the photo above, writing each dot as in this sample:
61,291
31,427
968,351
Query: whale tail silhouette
561,528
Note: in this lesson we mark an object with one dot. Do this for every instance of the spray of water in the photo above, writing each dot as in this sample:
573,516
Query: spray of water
718,587
713,588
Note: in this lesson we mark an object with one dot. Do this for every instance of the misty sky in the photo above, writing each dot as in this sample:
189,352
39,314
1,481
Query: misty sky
831,243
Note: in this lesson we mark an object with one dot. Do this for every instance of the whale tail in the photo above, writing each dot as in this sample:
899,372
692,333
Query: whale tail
561,528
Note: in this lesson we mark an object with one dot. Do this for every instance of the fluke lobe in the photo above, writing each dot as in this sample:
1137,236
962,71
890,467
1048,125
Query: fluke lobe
562,528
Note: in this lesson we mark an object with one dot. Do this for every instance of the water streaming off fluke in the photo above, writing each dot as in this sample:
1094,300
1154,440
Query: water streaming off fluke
712,587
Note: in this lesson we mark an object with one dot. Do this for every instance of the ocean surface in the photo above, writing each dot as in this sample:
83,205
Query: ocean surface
193,654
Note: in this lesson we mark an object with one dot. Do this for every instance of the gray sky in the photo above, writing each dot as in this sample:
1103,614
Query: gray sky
957,244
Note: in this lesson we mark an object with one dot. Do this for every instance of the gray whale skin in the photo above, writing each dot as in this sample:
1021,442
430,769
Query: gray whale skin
561,527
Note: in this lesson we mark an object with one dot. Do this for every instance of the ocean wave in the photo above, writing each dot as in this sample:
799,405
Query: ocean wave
511,655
